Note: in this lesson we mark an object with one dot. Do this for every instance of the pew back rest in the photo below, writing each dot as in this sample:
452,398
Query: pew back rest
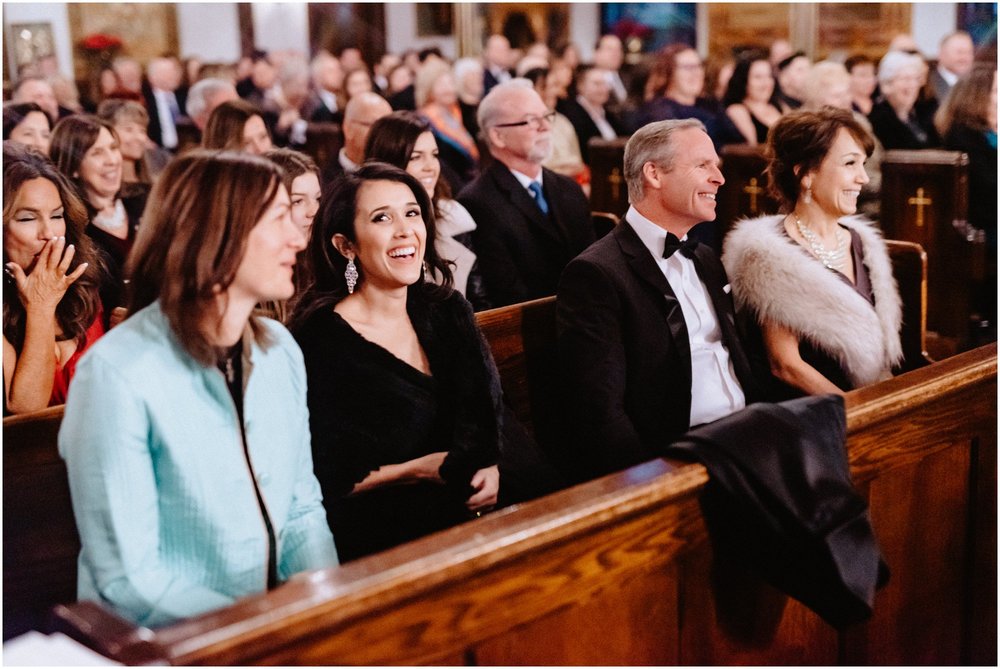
41,544
522,338
744,194
909,267
925,201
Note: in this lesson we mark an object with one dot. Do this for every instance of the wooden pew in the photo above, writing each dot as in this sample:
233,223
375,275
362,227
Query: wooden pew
744,194
619,570
39,531
40,540
924,200
608,191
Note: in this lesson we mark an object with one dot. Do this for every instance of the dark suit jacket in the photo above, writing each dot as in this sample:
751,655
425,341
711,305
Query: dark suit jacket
894,134
154,130
521,251
584,124
625,356
938,85
316,111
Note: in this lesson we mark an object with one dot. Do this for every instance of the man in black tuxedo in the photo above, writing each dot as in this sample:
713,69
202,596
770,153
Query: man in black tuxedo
530,221
648,344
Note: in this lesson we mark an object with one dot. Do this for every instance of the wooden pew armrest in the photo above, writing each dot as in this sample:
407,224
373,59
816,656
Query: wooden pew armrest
106,633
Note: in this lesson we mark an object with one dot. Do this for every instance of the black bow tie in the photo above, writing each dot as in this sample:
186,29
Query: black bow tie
672,244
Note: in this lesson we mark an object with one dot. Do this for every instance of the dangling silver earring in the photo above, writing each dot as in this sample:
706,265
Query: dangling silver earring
427,272
807,197
351,275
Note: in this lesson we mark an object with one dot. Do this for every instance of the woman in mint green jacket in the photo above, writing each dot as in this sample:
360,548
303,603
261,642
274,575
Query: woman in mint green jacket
186,433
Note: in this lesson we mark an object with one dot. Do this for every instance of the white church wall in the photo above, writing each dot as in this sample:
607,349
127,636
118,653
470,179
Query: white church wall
401,31
210,31
281,25
932,21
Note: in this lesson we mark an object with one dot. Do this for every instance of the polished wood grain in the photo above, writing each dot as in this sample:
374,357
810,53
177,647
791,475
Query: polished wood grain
620,570
40,542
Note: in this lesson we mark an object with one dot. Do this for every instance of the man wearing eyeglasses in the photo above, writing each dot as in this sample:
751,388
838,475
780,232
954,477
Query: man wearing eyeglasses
530,221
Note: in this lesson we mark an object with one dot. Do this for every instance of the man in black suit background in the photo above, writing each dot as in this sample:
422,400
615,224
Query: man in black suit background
530,221
648,344
496,62
165,100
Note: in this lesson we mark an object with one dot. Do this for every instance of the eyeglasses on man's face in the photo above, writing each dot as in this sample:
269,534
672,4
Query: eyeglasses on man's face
534,121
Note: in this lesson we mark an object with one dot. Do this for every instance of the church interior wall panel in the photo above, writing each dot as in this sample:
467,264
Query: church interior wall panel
147,30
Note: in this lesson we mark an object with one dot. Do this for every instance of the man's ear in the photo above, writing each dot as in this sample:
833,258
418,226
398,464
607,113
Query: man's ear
344,246
652,175
495,137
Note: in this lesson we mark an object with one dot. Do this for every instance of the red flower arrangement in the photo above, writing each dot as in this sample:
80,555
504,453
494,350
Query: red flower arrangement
627,28
100,42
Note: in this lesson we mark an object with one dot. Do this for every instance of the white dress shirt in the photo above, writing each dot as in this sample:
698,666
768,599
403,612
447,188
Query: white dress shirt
617,86
715,391
168,131
599,117
526,181
328,98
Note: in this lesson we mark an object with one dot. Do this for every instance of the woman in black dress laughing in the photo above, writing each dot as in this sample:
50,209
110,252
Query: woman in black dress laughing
404,398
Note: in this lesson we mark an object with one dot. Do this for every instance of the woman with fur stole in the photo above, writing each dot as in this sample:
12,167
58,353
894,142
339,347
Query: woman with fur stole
818,279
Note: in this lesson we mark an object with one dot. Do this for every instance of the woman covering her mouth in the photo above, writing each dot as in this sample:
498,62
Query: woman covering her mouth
52,310
818,279
404,397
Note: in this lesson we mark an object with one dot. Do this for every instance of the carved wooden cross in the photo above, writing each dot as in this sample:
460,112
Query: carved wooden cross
753,189
920,202
615,179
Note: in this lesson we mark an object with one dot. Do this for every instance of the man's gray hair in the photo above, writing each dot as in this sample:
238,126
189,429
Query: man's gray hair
652,143
200,93
492,106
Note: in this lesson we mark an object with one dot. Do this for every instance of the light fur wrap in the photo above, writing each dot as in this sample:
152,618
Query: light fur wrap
781,282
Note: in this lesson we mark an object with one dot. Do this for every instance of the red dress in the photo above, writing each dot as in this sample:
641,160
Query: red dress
60,385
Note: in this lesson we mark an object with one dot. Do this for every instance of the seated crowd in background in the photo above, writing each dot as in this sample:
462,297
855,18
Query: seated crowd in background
456,187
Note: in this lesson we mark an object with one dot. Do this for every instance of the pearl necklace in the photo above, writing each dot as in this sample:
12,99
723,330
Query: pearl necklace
832,258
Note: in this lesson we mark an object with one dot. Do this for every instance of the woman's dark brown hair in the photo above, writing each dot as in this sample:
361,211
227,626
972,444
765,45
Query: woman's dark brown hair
224,129
799,142
193,238
81,302
336,216
14,114
391,140
71,139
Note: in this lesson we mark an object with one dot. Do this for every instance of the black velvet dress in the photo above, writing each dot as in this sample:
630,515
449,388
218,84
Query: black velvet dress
368,408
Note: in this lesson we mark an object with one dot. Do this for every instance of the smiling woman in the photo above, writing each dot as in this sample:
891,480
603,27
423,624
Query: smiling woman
404,398
818,279
87,150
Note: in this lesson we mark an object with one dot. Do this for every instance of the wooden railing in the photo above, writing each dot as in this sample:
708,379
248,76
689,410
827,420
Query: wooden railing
619,570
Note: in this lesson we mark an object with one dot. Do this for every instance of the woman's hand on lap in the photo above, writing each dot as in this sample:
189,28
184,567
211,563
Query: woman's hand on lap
486,483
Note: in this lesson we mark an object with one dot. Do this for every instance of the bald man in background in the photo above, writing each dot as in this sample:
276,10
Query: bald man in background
359,115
